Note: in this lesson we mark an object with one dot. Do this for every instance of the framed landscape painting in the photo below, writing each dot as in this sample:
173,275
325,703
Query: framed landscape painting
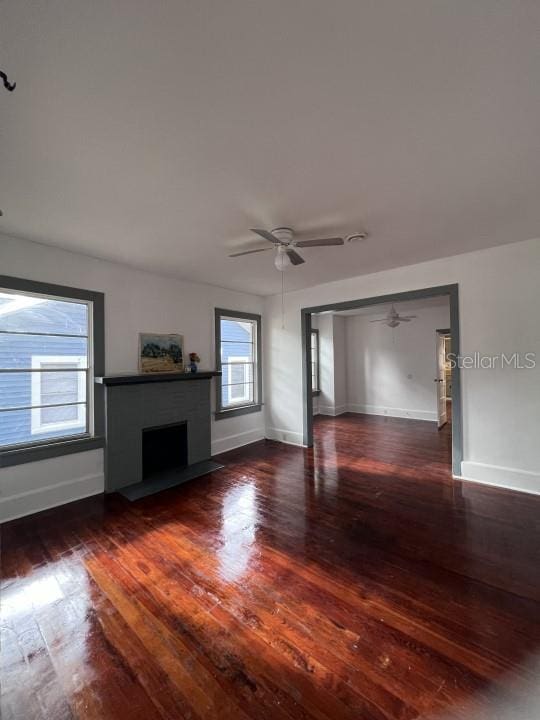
161,353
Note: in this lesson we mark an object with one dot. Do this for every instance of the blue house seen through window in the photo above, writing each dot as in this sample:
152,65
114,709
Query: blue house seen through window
43,368
238,362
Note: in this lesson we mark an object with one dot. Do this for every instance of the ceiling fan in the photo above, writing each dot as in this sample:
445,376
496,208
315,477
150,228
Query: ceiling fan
285,245
393,318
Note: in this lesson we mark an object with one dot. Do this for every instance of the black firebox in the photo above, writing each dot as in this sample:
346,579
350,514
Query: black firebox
164,450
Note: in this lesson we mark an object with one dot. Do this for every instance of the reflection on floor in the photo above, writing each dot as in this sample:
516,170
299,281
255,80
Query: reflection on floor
355,580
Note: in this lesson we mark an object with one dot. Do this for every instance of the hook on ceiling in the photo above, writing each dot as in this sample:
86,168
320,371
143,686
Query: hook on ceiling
9,86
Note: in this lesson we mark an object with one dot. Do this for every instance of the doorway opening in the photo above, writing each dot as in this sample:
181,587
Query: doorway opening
444,377
385,356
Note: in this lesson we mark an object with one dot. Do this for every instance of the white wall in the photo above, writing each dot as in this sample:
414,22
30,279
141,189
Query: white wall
390,371
134,301
340,365
332,367
326,364
499,295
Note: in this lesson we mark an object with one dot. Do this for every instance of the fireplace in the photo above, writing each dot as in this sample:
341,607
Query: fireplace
157,430
164,450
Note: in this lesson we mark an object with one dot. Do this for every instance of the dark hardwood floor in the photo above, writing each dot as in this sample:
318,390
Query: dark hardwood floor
354,580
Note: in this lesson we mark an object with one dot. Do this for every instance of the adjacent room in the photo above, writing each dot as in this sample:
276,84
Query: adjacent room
389,360
269,360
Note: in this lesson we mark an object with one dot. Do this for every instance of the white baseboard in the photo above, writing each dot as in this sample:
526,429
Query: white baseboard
333,410
392,412
285,436
43,498
511,478
234,441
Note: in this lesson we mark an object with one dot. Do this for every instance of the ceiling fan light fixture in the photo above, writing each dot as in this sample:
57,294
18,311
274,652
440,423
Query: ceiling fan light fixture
360,235
282,261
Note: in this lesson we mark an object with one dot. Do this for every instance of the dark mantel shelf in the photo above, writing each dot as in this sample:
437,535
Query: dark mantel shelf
129,379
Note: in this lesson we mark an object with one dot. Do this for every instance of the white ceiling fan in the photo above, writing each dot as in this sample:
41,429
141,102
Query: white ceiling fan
285,245
393,318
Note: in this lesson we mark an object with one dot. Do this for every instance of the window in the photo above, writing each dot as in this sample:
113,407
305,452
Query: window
47,367
58,398
315,382
238,356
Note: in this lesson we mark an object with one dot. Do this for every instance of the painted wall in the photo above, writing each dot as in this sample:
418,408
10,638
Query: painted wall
326,364
390,371
499,293
332,365
340,364
134,301
315,325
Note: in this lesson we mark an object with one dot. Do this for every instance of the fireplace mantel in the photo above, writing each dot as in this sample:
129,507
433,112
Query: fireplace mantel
139,378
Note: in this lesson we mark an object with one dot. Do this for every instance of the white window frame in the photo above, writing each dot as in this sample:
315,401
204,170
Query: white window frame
242,361
36,424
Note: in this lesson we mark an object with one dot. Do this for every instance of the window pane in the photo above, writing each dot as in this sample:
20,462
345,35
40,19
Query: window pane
239,350
61,387
238,354
24,313
50,415
237,373
28,426
24,351
237,331
22,389
43,349
241,394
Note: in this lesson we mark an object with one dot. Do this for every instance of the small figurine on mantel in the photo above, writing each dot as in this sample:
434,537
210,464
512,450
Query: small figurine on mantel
194,359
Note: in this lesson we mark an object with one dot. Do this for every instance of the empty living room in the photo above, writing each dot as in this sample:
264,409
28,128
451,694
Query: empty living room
269,360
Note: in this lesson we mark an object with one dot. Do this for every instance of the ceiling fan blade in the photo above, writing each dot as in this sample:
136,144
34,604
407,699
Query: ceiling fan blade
405,318
294,257
268,236
381,320
321,242
248,252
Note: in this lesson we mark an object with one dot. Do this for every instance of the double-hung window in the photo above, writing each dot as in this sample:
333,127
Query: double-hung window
238,357
47,365
315,358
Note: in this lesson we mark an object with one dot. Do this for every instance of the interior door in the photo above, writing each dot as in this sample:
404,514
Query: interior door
441,381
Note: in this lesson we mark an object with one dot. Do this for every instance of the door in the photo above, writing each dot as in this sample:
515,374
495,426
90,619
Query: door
441,381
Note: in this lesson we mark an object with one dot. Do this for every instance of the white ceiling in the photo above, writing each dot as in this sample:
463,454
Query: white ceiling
156,133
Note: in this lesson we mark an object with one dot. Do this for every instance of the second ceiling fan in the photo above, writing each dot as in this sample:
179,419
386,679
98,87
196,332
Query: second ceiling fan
393,318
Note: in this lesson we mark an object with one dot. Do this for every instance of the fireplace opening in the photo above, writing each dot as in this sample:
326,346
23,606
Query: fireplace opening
164,450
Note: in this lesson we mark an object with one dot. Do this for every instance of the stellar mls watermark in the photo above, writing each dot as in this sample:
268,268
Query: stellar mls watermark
478,361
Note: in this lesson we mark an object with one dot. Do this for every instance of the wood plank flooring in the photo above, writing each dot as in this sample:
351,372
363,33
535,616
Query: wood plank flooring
353,580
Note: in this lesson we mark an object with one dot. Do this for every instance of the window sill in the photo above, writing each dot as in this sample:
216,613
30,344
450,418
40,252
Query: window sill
19,456
235,412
